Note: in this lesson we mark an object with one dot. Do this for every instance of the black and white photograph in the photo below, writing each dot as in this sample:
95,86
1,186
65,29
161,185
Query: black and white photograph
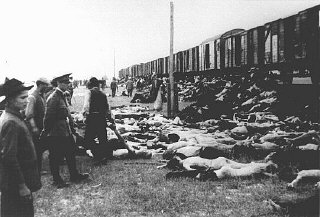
159,108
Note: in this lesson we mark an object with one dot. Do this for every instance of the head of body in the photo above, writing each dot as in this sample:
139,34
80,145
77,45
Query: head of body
15,93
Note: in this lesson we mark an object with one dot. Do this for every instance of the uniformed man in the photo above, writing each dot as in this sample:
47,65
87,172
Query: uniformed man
58,127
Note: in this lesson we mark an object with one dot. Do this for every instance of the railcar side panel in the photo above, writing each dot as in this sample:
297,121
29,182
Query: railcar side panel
244,48
195,59
201,57
255,46
219,54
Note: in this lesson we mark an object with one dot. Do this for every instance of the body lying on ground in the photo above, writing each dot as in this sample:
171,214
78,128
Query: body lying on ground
193,163
251,169
303,174
218,168
310,137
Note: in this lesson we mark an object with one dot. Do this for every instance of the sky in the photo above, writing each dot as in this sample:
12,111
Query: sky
48,38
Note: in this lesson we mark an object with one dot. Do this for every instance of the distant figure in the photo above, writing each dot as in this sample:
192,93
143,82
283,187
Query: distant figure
69,93
19,175
75,83
114,86
129,87
139,84
102,84
155,84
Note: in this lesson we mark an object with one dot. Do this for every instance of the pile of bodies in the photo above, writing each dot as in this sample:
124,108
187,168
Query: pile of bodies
248,94
241,145
235,138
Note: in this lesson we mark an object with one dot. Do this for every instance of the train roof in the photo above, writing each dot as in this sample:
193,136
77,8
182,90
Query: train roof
211,39
232,32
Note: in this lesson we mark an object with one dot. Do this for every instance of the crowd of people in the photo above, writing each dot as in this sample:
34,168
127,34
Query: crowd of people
147,87
39,120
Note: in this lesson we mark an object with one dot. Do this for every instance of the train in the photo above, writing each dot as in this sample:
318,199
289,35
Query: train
288,47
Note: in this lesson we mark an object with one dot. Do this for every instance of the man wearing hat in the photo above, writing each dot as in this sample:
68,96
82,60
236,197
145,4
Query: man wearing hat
35,114
18,161
58,127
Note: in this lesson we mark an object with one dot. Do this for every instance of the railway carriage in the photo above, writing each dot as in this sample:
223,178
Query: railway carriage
232,45
290,45
208,54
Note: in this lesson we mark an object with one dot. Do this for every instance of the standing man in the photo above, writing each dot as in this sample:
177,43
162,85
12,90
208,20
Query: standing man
59,127
129,86
154,87
19,175
113,86
35,114
96,110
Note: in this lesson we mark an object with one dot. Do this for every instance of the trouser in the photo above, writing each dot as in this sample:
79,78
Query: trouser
113,92
60,148
130,92
40,147
96,127
153,93
13,205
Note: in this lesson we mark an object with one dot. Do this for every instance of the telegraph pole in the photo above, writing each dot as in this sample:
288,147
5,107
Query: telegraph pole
172,98
114,62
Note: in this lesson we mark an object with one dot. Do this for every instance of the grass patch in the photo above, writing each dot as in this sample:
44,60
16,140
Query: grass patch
127,188
136,188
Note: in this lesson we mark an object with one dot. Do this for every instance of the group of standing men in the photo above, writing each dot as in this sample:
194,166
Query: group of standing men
29,125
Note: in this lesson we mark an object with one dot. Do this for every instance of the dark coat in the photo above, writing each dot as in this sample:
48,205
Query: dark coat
18,160
99,103
129,85
57,118
113,85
